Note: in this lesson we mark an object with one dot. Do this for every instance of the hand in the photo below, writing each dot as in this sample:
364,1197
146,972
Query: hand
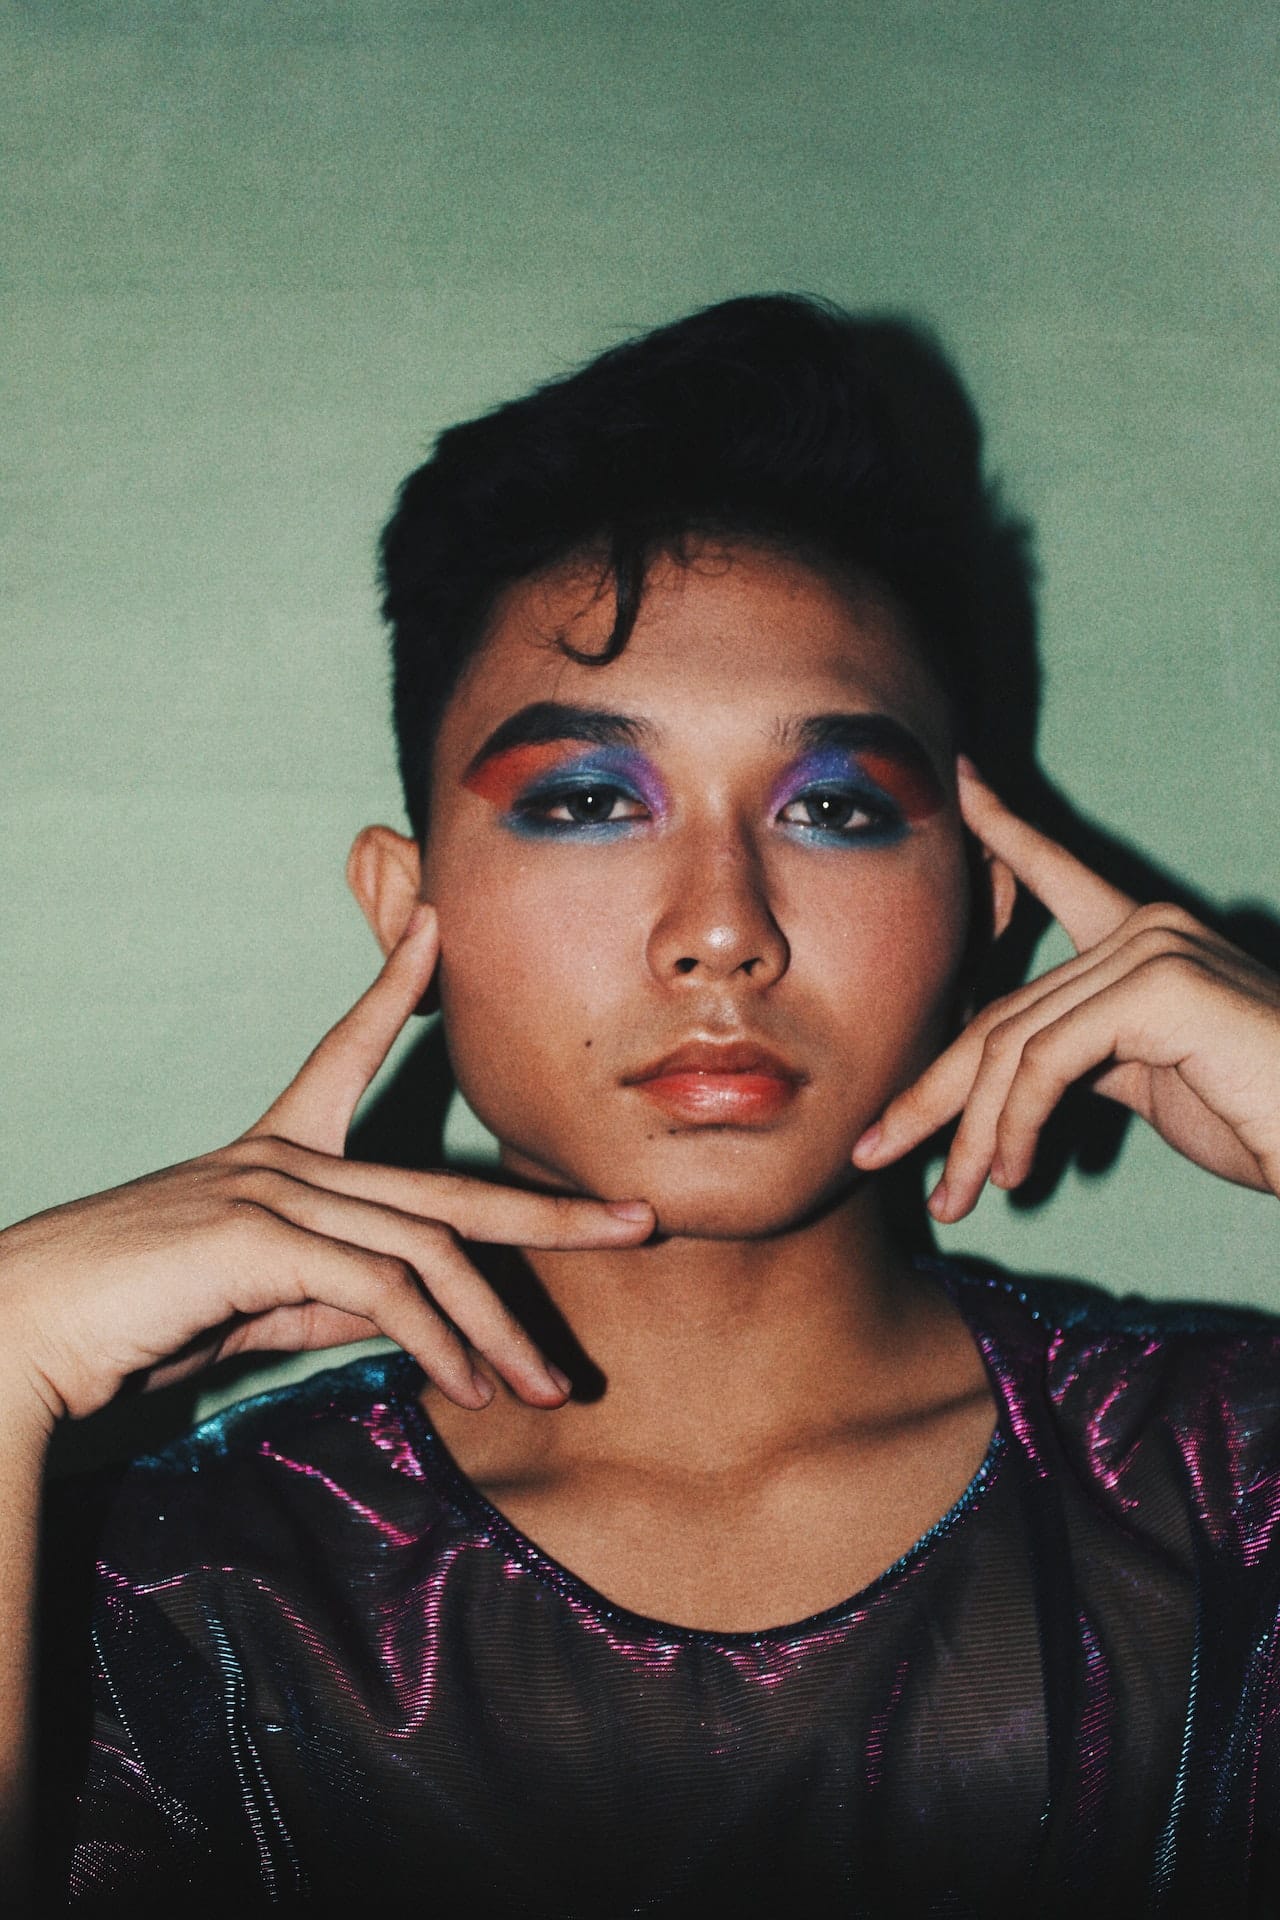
276,1241
1170,1019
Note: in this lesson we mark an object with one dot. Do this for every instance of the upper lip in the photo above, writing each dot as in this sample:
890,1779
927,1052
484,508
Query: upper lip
718,1056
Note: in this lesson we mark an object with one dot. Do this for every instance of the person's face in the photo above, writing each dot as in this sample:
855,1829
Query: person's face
759,848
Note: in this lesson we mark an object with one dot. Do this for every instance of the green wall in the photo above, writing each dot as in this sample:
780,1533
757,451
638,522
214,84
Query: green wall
260,251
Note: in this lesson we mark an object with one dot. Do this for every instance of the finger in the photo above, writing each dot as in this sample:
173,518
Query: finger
1007,1127
476,1209
932,1099
293,1266
307,1328
940,1092
1087,906
450,1279
1018,1054
316,1107
1209,1141
1013,1046
947,1086
1113,1012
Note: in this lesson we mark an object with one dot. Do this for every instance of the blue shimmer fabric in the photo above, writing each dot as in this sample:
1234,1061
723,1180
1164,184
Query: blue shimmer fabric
328,1675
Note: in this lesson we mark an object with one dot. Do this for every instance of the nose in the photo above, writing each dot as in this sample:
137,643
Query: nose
716,922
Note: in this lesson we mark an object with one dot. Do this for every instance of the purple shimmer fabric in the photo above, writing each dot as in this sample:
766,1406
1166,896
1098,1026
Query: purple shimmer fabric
327,1674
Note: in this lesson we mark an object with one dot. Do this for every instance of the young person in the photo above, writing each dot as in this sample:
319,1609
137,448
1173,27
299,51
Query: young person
704,1548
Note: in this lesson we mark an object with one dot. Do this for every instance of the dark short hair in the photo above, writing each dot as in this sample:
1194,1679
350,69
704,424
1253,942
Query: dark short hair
778,418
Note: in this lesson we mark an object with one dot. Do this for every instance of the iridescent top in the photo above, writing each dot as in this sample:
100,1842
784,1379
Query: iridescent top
328,1674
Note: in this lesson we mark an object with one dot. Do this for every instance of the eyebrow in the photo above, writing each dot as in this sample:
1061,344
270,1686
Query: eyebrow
852,731
548,720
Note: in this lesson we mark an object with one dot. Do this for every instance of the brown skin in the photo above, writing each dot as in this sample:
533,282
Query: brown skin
774,1372
774,1369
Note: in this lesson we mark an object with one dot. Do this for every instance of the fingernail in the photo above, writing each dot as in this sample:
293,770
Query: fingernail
965,766
561,1379
865,1148
630,1209
997,1173
938,1200
417,920
483,1386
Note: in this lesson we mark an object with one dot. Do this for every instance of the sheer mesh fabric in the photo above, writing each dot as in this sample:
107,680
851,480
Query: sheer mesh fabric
326,1672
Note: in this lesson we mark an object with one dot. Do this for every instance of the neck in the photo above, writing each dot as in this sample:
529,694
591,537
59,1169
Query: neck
698,1352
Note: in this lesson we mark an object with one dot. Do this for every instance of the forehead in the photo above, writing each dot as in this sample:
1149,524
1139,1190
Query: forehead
730,641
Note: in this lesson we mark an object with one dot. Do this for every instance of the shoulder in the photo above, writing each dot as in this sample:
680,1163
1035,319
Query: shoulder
1130,1393
324,1458
1052,1318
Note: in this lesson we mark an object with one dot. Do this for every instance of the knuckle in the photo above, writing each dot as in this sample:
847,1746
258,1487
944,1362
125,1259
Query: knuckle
1001,1009
441,1234
258,1184
1003,1043
389,1273
1153,942
1143,918
247,1219
1170,968
1039,1055
1168,916
237,1153
256,1147
436,1239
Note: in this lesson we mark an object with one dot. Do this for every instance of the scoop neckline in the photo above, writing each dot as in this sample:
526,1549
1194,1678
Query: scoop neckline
465,1498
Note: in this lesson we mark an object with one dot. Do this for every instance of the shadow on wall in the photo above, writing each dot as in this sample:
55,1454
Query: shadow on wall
932,416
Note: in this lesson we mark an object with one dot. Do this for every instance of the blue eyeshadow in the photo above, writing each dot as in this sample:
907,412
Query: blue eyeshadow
621,768
840,773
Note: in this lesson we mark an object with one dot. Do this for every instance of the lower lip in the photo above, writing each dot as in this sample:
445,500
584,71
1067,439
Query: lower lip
719,1099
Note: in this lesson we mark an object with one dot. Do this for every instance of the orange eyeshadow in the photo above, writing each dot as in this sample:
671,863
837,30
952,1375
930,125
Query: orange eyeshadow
913,788
503,778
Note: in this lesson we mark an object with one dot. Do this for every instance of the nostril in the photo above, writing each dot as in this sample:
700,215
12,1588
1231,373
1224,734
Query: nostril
685,966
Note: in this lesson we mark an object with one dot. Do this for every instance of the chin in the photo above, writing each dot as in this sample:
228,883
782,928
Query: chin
732,1192
733,1211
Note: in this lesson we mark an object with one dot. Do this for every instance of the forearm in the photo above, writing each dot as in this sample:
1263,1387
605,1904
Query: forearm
24,1443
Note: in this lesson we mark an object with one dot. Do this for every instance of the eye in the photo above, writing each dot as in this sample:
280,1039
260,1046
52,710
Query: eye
835,812
595,805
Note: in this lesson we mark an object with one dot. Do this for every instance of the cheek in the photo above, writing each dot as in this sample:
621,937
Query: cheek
887,940
523,967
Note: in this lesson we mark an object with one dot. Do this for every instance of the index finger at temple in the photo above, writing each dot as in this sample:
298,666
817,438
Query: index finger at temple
1087,906
316,1107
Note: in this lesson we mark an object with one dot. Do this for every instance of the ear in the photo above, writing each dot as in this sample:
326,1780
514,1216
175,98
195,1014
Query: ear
384,872
987,870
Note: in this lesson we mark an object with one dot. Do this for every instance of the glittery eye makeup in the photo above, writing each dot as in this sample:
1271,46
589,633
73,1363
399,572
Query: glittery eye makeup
555,787
557,771
865,795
